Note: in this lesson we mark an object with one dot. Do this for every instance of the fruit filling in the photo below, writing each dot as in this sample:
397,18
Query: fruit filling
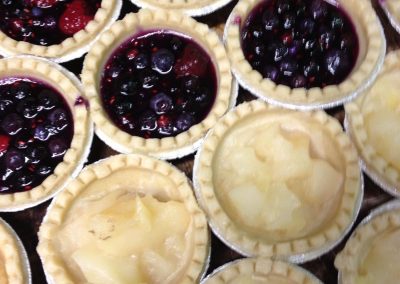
45,22
300,43
36,130
158,84
279,176
125,236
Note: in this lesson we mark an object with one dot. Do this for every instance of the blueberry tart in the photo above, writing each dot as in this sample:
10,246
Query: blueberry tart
14,263
278,183
260,271
189,7
392,10
156,82
60,30
138,222
45,130
371,255
305,54
373,121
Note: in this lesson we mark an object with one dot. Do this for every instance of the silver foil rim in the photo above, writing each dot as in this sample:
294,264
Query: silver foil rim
377,178
194,12
293,258
24,256
233,262
83,159
80,51
393,21
381,209
366,84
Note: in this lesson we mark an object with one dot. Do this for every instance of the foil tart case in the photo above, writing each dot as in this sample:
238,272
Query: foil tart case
87,146
23,254
392,19
367,83
381,209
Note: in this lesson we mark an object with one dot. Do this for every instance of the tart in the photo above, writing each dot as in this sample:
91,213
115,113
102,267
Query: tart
259,271
392,10
138,222
278,183
305,54
14,264
60,30
371,255
373,121
157,81
45,130
189,7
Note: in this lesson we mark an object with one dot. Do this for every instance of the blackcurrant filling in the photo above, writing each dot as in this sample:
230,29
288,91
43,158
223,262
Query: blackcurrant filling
45,22
300,43
158,84
36,129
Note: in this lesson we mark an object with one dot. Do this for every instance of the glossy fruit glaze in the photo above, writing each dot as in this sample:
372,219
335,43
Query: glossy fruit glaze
45,22
36,129
158,84
300,43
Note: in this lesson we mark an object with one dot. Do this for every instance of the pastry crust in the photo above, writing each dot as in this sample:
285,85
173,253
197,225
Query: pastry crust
169,147
13,257
189,7
299,249
379,169
371,56
260,268
72,47
69,87
384,218
392,10
52,261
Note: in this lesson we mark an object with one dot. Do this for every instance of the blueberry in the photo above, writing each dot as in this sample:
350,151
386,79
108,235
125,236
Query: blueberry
277,51
202,97
270,20
12,123
318,9
327,39
129,87
184,121
148,121
22,140
21,91
307,26
162,61
295,48
337,23
161,103
28,107
288,67
113,71
288,21
337,62
190,84
6,2
47,99
271,72
57,147
123,107
283,6
37,12
257,32
149,80
14,160
36,154
5,104
259,50
41,133
299,81
141,61
347,42
24,178
176,44
59,118
48,23
185,103
311,69
44,170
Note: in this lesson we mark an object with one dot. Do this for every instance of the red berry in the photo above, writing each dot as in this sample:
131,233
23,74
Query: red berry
193,62
75,17
43,3
4,143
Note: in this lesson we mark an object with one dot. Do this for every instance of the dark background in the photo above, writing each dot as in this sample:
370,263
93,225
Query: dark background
26,223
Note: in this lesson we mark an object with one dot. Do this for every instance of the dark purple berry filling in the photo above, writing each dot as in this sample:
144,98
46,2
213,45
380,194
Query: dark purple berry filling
158,84
45,22
300,43
36,130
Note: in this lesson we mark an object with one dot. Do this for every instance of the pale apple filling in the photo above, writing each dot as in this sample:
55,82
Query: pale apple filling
118,234
3,273
381,111
258,279
279,176
380,259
